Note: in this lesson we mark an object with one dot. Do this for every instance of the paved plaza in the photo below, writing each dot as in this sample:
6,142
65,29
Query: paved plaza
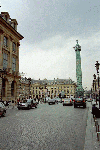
48,127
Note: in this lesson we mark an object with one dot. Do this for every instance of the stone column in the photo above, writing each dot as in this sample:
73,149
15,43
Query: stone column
1,45
9,90
17,89
10,56
0,87
17,60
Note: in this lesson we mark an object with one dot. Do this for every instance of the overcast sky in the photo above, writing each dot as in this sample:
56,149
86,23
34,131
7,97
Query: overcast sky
50,29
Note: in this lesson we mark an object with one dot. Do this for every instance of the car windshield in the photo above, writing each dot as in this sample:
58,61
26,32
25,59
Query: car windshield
30,100
23,101
67,99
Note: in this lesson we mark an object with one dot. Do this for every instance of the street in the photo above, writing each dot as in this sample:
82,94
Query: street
48,127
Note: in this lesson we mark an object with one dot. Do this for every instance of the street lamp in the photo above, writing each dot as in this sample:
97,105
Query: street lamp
94,87
97,68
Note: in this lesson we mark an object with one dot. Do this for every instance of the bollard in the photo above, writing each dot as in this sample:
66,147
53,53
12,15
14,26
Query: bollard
97,128
96,122
94,118
98,136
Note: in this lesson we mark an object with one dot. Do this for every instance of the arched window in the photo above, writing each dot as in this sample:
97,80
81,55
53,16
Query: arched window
12,88
3,87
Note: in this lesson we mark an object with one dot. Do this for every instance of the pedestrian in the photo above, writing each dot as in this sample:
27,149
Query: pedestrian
94,111
38,100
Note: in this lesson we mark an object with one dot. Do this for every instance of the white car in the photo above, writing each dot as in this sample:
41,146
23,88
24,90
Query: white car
2,109
58,99
47,98
23,105
67,101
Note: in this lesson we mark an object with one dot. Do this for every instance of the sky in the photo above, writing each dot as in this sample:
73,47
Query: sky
50,29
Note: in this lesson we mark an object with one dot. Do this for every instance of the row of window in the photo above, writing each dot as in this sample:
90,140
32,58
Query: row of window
5,62
52,91
54,88
6,44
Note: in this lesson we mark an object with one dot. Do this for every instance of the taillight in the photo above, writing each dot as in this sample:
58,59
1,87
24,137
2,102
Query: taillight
70,100
74,100
83,101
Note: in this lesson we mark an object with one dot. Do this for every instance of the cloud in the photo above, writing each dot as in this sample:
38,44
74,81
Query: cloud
49,58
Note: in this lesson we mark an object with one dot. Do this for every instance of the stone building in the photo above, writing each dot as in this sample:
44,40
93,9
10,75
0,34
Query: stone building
24,88
9,58
53,88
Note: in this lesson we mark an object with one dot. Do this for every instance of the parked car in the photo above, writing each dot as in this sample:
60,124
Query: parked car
51,101
27,104
58,100
47,98
67,101
79,102
32,103
2,109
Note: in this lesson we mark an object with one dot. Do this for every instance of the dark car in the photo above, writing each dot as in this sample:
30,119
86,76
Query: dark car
2,109
32,103
79,102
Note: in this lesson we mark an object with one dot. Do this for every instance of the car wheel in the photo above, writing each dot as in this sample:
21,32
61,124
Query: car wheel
28,107
49,103
74,106
84,106
35,106
18,108
63,105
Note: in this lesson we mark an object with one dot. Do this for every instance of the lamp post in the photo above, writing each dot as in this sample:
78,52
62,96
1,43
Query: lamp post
94,87
97,68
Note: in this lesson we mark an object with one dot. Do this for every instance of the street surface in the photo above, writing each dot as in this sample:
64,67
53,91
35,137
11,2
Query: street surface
48,127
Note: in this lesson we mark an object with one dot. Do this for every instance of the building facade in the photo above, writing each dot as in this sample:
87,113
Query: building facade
95,87
53,88
9,58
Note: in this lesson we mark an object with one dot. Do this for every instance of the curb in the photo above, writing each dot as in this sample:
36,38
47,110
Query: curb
91,142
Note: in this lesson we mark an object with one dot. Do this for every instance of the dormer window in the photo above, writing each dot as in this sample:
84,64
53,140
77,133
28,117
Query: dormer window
14,47
6,17
5,41
14,25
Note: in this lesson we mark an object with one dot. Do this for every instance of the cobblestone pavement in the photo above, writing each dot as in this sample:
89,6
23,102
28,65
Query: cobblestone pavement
48,127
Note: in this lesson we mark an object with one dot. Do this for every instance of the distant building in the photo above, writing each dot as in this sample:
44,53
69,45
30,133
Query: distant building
9,58
24,88
53,88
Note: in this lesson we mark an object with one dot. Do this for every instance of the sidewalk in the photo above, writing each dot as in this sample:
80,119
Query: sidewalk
91,142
